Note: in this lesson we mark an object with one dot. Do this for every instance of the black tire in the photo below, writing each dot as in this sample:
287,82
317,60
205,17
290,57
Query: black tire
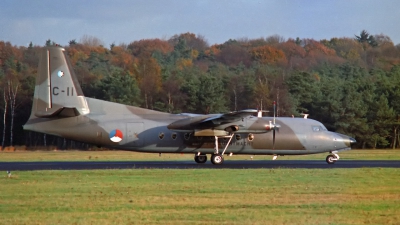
217,159
330,159
200,158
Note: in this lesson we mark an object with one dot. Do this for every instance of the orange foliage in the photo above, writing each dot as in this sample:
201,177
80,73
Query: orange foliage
80,52
215,50
148,46
122,58
80,48
183,63
149,75
313,47
99,49
86,49
291,49
7,51
268,54
76,55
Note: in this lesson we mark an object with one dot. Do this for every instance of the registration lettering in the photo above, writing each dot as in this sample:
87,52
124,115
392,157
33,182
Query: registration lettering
69,91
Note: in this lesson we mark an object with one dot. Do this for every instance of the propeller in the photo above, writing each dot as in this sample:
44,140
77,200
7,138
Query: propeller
273,126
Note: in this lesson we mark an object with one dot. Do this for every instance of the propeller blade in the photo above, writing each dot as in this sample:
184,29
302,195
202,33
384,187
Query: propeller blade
273,139
274,111
273,132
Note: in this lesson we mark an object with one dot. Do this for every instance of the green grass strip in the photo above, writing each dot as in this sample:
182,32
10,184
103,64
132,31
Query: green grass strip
202,196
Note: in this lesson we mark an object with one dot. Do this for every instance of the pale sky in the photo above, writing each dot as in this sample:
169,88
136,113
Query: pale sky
120,21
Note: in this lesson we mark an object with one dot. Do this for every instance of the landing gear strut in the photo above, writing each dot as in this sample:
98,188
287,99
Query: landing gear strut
218,158
331,159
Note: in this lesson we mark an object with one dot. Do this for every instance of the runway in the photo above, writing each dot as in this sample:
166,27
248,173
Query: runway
232,164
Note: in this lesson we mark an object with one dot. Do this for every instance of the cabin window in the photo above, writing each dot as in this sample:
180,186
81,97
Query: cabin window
161,135
173,135
250,137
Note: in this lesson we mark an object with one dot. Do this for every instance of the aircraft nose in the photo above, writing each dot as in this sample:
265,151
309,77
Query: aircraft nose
345,140
348,140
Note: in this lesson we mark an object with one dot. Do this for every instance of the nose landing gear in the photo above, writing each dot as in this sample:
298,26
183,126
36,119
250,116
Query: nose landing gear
331,159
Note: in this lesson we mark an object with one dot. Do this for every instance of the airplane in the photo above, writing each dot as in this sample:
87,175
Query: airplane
60,108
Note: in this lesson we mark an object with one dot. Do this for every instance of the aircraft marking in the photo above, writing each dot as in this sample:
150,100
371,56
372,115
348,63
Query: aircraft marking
116,135
60,74
70,91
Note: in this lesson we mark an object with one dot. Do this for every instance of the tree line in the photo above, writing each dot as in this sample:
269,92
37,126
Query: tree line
350,84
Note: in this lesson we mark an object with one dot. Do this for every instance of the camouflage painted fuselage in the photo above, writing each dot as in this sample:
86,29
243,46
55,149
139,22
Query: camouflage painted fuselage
146,130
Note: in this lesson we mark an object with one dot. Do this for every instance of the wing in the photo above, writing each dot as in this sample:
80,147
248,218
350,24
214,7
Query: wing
204,125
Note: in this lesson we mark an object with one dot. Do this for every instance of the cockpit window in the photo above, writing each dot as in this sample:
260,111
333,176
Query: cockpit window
316,128
319,128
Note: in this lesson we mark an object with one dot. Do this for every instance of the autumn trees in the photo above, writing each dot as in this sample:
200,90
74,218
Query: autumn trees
16,83
349,84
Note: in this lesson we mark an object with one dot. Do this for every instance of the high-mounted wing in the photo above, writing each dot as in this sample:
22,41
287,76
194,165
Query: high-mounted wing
204,125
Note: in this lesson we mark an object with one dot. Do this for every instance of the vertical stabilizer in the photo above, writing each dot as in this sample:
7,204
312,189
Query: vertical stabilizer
57,91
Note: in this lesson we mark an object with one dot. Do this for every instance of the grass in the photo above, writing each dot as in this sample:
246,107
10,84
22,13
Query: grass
202,196
134,156
198,196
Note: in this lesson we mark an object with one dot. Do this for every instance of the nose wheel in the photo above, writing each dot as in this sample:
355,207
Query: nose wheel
331,159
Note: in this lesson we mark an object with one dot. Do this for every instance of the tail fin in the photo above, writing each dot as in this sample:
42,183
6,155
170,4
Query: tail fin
57,91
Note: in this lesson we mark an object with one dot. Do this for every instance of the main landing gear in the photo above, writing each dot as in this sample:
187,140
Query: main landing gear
200,158
331,159
216,158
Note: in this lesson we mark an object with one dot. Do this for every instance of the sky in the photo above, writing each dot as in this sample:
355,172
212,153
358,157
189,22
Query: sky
125,21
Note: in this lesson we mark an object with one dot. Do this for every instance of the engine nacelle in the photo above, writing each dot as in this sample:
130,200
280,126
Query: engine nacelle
232,128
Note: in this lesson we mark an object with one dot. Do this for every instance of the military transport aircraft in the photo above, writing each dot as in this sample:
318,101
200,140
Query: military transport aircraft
61,109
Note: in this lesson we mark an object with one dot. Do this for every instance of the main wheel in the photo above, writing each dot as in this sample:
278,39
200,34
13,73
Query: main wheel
217,159
200,158
330,159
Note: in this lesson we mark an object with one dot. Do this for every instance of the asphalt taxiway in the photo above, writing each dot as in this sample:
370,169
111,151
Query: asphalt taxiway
231,164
